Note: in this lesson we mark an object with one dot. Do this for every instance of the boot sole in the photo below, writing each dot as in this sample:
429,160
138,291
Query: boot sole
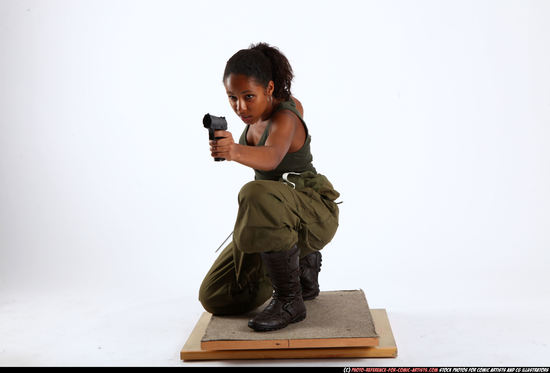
259,328
310,297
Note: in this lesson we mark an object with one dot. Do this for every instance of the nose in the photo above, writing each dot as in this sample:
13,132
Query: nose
241,107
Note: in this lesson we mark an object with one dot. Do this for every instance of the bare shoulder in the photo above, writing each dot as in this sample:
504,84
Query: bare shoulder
299,106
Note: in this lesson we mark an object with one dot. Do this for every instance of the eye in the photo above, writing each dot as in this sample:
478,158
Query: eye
232,98
249,97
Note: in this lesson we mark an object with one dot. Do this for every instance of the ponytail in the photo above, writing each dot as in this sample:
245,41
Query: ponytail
263,63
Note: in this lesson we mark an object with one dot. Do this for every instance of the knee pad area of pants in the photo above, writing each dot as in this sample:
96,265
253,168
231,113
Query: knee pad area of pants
220,301
257,192
214,301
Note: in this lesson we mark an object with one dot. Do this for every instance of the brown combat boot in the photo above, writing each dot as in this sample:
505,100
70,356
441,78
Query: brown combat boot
287,305
310,266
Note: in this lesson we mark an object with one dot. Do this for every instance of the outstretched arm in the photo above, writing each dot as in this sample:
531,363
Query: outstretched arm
265,158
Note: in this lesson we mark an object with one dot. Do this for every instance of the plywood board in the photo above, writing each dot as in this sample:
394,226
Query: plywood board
192,350
334,319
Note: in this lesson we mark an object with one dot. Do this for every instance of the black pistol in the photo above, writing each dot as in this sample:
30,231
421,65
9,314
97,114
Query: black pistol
214,124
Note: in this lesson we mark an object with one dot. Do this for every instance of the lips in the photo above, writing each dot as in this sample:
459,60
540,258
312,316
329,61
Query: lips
246,118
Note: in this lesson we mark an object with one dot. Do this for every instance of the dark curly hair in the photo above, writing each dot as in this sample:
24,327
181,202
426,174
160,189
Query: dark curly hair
263,63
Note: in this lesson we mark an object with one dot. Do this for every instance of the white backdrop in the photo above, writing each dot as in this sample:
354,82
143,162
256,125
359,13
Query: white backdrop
432,118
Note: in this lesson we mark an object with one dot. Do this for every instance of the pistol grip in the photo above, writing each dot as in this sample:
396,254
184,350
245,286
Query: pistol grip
219,159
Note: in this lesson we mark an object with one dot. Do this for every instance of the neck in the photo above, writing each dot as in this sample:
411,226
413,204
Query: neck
269,111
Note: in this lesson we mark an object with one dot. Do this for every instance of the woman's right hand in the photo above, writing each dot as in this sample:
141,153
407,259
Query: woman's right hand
224,147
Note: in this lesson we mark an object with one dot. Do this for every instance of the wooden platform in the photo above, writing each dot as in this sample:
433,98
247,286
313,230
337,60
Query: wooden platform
328,336
334,319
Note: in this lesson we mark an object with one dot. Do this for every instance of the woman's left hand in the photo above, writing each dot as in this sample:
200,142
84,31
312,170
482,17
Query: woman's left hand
223,148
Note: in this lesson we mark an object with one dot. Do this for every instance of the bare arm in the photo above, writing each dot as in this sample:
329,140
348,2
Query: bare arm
265,158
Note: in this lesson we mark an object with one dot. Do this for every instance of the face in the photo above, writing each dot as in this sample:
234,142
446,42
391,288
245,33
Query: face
250,100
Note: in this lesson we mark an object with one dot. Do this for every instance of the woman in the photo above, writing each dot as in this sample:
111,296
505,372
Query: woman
286,215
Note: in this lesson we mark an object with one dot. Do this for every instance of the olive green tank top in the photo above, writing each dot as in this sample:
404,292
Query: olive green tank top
299,161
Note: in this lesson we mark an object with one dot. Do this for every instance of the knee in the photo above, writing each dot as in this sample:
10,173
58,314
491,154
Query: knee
211,298
257,192
205,296
221,301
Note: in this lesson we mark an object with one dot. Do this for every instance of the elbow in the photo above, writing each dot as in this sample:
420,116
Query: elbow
272,161
272,165
276,162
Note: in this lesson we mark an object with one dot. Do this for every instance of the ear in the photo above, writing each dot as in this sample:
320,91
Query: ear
270,88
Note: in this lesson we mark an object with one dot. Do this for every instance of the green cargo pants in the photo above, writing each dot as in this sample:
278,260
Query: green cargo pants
272,216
